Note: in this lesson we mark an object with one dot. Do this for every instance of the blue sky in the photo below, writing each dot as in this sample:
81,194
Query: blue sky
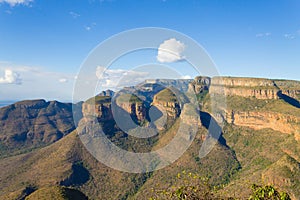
44,42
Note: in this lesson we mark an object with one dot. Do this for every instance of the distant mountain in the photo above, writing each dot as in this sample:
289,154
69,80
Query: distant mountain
33,123
6,103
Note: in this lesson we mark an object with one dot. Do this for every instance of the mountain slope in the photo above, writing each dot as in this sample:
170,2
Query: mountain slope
32,123
260,144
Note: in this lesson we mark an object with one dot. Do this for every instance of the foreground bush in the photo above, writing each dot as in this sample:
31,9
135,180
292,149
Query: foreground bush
194,187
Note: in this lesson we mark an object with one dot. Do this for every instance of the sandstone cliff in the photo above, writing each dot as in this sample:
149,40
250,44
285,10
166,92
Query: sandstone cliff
168,101
101,107
133,105
200,84
284,123
289,88
244,87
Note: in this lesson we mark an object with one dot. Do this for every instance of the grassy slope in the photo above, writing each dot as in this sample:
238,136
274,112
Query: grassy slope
98,100
56,193
166,95
257,151
124,98
53,164
251,104
218,166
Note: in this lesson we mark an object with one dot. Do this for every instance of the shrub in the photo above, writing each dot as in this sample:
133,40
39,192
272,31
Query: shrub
267,193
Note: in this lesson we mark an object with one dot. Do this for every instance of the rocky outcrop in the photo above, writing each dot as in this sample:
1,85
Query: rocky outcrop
244,87
35,122
199,84
258,88
99,107
284,123
108,93
289,88
167,100
242,82
132,105
181,84
258,93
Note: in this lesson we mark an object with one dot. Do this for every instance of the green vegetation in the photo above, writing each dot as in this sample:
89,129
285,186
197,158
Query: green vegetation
166,95
98,100
238,103
201,96
193,187
267,193
130,98
262,156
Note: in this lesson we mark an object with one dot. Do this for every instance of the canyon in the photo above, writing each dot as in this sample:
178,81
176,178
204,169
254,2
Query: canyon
260,138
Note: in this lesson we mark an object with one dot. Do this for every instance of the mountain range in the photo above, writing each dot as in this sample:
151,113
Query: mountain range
43,156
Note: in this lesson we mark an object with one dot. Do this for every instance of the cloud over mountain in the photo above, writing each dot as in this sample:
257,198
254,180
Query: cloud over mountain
118,78
170,50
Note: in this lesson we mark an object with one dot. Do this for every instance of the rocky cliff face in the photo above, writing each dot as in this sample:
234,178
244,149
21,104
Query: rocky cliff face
132,105
259,120
101,107
289,88
108,93
259,103
167,101
200,84
244,87
258,93
181,84
258,88
35,122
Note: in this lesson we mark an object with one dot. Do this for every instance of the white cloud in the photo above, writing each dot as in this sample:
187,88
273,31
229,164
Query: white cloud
119,78
186,77
63,80
263,34
11,77
170,50
16,2
74,14
289,36
37,82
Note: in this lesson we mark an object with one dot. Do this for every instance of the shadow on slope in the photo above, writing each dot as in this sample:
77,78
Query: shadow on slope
79,176
289,100
213,127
